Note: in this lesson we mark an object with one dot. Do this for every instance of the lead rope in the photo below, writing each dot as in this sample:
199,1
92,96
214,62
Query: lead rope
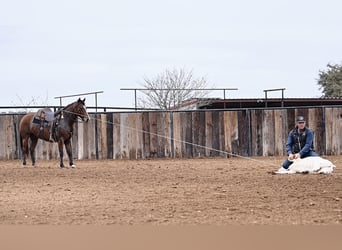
188,143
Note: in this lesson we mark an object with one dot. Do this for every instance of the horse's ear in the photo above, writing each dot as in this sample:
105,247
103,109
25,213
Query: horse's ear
81,101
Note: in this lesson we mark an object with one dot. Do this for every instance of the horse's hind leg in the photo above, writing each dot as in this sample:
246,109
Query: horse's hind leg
25,149
69,152
33,145
60,148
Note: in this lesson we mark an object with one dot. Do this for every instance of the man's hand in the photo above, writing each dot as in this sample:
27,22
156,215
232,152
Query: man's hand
297,156
291,157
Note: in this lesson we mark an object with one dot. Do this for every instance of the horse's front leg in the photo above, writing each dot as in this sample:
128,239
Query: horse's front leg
68,148
60,149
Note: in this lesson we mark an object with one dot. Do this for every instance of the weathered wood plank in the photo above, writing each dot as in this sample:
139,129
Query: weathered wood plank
165,130
243,128
315,119
161,124
333,121
329,131
256,132
291,119
280,138
86,144
268,133
198,127
231,132
227,133
177,135
117,136
209,133
10,138
222,135
103,137
338,130
90,137
124,134
146,135
3,137
153,122
138,123
187,134
109,127
132,136
215,133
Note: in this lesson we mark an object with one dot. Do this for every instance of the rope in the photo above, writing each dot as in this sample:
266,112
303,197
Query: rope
189,143
78,116
185,142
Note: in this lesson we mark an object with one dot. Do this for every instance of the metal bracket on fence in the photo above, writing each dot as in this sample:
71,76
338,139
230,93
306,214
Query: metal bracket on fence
282,95
82,94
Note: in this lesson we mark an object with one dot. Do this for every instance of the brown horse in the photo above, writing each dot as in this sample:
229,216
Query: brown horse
31,130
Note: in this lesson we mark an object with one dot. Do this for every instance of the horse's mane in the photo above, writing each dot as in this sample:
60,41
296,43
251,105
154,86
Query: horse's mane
70,104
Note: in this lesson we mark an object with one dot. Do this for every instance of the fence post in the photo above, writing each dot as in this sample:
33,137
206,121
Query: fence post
324,132
172,136
248,116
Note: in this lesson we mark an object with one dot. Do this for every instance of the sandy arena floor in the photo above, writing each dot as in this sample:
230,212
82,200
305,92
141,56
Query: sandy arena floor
220,191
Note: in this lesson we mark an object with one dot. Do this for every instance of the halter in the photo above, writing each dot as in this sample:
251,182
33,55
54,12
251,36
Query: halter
78,116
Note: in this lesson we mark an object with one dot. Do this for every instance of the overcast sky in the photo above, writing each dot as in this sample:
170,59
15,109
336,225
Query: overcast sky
54,48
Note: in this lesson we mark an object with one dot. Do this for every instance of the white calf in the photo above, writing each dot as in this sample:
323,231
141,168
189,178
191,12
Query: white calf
312,164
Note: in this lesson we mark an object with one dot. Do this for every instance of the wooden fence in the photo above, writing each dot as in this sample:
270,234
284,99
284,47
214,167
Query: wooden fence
210,133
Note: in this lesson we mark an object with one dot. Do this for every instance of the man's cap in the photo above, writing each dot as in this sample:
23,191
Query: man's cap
300,119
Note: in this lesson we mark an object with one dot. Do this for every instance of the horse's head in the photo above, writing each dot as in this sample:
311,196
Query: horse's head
80,110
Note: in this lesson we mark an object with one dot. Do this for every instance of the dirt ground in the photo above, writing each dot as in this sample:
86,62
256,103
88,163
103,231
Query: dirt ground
231,191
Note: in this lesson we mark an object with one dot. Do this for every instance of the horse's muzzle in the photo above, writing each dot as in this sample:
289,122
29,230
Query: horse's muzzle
86,118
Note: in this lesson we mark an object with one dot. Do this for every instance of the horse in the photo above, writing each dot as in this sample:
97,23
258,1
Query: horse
32,128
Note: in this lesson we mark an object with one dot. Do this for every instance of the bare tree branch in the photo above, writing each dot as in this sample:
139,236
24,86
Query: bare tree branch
171,88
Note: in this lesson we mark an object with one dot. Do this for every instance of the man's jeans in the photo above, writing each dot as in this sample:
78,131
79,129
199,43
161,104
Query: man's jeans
287,163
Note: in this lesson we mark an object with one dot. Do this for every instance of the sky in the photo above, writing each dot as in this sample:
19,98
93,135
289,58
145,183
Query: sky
66,47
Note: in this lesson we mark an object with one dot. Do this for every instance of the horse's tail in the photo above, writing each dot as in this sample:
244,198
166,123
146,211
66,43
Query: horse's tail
21,141
19,132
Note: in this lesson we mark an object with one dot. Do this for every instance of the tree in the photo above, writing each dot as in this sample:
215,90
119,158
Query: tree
171,88
30,101
331,81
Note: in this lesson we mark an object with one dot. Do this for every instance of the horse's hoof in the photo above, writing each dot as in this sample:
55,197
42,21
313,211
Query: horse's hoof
73,166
